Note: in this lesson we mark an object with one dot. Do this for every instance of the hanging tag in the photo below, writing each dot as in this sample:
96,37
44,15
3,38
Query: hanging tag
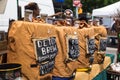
102,44
73,50
90,45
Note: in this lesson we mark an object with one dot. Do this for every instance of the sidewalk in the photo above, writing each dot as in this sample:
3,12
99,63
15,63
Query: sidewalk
112,51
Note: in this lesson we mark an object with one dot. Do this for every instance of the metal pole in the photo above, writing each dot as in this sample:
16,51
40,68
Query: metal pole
61,6
17,8
76,12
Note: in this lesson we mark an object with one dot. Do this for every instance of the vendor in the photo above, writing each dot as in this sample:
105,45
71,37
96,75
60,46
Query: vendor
34,8
68,17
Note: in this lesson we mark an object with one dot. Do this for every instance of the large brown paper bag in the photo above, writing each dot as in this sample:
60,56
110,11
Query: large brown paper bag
22,50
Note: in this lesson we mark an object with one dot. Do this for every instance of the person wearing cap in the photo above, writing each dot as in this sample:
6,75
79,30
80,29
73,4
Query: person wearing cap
68,13
96,22
34,8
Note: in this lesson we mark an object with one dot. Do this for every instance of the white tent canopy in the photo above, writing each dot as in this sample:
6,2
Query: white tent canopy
107,11
2,6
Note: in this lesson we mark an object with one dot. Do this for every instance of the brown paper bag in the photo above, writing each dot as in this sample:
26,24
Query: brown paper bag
100,33
21,49
65,66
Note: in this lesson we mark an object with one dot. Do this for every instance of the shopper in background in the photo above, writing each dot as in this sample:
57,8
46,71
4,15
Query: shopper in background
96,22
117,29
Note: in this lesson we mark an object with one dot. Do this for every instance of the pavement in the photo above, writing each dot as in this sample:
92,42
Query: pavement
111,50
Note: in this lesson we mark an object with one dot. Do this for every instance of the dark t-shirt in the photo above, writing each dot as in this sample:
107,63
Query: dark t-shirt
113,27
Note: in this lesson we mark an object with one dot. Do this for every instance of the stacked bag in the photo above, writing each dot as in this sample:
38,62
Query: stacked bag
27,42
49,52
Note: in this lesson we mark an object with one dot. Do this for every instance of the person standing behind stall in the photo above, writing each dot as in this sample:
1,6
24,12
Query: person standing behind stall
68,13
117,29
35,11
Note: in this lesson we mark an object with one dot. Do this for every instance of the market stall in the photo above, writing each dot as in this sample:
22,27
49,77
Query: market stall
55,52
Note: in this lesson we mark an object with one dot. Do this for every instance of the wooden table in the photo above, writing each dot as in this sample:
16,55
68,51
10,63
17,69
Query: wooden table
113,75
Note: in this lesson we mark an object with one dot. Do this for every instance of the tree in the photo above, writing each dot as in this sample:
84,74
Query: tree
88,5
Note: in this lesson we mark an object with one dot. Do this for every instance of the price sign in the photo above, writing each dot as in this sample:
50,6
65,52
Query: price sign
73,47
103,44
90,46
46,51
46,67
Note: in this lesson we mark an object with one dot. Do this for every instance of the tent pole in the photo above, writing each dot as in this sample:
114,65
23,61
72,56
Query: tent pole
92,18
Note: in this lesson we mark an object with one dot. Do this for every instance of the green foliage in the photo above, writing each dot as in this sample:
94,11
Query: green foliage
89,5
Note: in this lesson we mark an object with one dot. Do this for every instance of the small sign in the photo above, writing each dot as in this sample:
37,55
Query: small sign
73,47
46,67
46,51
103,44
90,46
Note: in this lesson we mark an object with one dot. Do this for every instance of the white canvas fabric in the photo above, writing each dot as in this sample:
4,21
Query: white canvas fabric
107,11
2,6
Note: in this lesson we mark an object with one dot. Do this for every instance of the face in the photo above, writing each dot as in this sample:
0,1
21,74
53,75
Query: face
90,22
96,23
68,12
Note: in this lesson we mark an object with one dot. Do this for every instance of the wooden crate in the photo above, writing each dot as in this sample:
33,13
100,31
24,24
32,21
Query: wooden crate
3,41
